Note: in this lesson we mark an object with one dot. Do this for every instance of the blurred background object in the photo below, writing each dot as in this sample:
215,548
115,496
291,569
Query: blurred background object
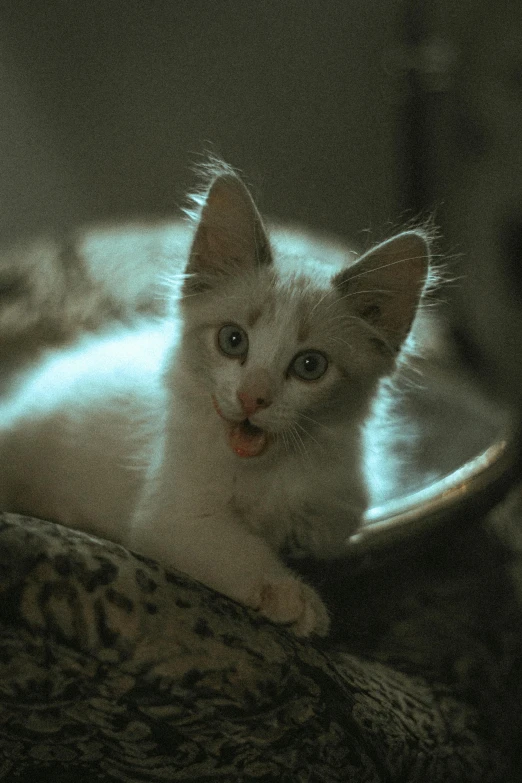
474,169
352,118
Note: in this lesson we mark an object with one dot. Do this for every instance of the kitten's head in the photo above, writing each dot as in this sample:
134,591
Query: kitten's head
283,350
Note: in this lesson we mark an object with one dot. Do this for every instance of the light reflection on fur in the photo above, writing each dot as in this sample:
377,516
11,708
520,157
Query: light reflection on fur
128,441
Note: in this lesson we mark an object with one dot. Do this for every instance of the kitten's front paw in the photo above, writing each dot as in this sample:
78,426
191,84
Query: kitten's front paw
294,603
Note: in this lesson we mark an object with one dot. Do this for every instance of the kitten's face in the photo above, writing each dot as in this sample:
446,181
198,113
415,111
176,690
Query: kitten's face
285,354
279,347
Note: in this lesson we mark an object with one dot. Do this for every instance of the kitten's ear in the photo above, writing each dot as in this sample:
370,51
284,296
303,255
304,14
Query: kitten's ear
385,285
229,237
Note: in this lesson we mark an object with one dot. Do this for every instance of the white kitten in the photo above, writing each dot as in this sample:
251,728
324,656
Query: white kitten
231,432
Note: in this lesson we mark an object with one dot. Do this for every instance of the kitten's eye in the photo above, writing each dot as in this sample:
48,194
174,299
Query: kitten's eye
309,366
232,340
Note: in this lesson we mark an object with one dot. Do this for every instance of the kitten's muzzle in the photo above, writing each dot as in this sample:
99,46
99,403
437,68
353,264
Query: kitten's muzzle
244,438
251,404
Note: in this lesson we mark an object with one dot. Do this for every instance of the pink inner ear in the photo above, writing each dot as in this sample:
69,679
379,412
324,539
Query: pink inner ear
230,229
384,287
213,242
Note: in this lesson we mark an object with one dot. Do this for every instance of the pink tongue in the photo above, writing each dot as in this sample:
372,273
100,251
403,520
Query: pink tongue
245,441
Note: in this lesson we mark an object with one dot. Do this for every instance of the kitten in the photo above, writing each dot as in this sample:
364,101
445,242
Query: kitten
231,432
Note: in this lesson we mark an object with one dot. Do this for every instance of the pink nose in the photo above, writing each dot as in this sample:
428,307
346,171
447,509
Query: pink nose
251,404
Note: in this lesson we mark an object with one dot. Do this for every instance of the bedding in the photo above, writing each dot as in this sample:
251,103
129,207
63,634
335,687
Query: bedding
113,669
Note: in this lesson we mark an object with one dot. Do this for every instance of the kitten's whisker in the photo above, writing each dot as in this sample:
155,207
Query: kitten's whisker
385,266
368,328
173,277
342,317
429,305
291,438
308,435
286,442
298,442
310,418
192,295
325,295
316,423
343,342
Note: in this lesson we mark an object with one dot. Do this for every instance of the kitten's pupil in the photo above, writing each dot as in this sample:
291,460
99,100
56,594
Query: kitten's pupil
232,340
310,363
309,366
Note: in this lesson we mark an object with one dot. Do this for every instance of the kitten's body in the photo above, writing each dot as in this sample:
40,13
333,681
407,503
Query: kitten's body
207,441
76,437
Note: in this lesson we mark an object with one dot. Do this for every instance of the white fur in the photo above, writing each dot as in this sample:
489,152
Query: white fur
78,438
119,436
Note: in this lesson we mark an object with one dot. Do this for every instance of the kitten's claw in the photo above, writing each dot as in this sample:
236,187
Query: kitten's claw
290,601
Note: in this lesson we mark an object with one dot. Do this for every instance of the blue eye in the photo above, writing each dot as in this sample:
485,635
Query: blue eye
232,340
309,365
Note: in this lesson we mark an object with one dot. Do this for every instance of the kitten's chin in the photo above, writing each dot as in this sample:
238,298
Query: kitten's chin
244,438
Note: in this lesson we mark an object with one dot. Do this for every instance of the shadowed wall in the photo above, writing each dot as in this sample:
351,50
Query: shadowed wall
107,104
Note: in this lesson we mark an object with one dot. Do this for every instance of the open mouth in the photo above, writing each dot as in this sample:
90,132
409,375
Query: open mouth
244,438
249,428
247,440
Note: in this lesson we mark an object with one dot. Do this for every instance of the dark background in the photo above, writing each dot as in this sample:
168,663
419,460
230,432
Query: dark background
347,116
106,105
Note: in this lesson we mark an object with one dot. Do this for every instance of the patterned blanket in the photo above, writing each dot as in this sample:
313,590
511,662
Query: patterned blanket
112,669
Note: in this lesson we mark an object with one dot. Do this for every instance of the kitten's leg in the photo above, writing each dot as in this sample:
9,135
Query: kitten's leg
222,554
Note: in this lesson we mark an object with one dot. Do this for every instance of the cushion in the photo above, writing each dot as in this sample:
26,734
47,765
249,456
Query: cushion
115,669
